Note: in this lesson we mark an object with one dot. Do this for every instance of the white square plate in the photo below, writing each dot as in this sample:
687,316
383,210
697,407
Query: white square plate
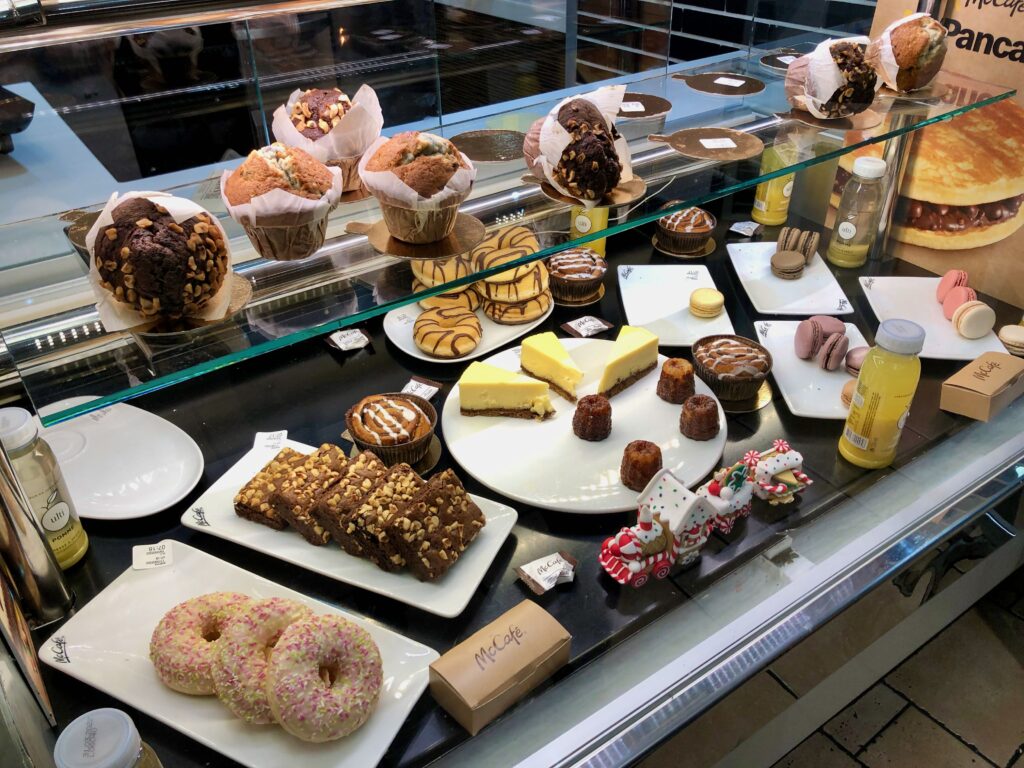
807,389
106,645
913,298
214,513
816,292
657,297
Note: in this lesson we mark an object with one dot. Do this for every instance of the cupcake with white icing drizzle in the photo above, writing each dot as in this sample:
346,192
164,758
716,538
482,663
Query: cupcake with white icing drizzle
733,366
396,427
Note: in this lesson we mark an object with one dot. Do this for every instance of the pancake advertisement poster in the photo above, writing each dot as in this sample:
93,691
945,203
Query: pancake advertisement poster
962,200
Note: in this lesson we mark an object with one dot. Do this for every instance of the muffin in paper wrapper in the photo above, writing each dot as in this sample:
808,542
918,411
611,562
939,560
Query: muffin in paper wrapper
409,216
117,315
345,143
554,138
880,56
283,226
813,79
411,452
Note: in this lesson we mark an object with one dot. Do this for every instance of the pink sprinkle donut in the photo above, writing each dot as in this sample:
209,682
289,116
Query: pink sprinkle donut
324,678
184,644
240,676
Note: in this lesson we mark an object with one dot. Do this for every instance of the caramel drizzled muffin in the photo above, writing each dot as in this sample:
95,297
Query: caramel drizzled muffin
640,462
686,231
318,110
576,273
676,382
699,418
387,420
593,418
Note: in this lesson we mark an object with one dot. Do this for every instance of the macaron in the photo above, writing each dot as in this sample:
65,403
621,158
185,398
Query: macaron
833,352
855,359
808,338
706,302
1012,337
847,394
788,238
952,279
789,265
808,245
829,324
974,319
958,295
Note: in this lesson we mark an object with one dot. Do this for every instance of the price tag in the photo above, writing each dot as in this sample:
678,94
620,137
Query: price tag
146,556
271,440
586,326
731,82
787,60
631,106
421,387
348,339
721,143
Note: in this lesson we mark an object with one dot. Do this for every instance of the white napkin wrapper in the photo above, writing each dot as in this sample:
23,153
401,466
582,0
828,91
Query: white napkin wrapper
546,573
387,186
586,326
348,339
356,130
278,208
425,388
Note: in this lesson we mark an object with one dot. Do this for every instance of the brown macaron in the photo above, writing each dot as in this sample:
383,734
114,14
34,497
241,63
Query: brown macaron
788,265
788,237
808,245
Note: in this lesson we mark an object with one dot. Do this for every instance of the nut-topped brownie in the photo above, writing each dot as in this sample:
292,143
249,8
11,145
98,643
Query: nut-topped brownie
369,523
434,529
299,494
335,508
252,502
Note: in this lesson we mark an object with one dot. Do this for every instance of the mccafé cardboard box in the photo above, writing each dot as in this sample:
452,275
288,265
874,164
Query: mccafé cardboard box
984,387
491,670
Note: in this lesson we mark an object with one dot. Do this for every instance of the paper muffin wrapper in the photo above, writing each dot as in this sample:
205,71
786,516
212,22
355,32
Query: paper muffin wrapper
349,167
118,316
288,243
881,56
685,242
418,226
355,132
812,79
730,389
409,453
574,290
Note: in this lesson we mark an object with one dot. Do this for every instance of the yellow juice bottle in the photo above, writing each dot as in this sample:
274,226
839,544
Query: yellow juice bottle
584,222
771,198
885,388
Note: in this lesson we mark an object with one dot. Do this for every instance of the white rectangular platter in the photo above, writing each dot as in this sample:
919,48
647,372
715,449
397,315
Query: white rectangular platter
106,645
816,292
657,297
807,389
214,513
913,298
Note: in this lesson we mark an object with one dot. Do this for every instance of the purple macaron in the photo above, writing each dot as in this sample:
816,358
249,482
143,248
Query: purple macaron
855,359
829,324
808,339
833,351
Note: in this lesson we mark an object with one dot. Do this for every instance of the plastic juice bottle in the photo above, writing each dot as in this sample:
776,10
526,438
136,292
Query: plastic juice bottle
885,388
584,222
771,198
859,210
40,476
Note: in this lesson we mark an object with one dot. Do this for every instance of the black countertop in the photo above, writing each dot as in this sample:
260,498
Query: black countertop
306,389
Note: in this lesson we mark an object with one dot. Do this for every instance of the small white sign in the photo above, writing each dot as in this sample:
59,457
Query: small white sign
787,60
631,106
349,339
147,556
720,143
732,82
746,228
419,388
272,440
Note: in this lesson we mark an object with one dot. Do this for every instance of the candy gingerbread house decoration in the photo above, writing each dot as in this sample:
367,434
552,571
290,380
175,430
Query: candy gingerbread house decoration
778,474
728,494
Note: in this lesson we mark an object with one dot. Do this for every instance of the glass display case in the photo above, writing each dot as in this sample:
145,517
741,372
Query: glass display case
160,98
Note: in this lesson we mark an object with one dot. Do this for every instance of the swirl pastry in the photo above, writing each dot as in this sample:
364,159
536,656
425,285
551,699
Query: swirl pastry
387,420
447,332
506,245
518,312
732,366
533,283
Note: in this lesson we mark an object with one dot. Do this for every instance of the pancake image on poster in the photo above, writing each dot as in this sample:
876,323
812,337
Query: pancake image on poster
964,185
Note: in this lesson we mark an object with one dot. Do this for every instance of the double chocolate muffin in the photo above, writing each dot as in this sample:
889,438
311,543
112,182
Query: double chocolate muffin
589,166
318,110
157,266
858,90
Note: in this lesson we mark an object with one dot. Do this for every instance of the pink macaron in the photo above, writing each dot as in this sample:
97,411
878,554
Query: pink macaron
829,324
855,359
957,296
807,339
955,278
833,351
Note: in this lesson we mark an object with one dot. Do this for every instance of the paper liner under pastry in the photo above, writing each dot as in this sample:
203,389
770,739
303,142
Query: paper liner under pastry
554,138
881,56
283,226
345,143
813,79
730,389
118,316
410,452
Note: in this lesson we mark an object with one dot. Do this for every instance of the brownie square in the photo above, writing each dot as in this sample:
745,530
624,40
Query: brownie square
369,522
433,531
252,502
335,508
297,496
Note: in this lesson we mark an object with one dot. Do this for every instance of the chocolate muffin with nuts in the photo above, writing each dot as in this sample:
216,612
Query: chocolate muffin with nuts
159,266
811,90
318,110
589,167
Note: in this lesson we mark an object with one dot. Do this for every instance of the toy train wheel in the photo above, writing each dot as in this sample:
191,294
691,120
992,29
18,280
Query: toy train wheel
661,571
640,580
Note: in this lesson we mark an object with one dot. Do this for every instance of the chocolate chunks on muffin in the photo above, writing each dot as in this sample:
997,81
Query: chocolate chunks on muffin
334,510
318,110
589,166
252,502
295,500
433,530
371,520
858,91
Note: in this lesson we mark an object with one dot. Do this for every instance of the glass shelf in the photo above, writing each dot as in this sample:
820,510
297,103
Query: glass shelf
69,354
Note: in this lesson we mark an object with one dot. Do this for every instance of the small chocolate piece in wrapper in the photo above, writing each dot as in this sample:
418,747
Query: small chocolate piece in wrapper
348,339
747,228
545,573
425,388
586,326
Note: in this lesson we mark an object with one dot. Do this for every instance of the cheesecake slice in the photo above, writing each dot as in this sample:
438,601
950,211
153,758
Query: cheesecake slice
634,354
486,390
543,357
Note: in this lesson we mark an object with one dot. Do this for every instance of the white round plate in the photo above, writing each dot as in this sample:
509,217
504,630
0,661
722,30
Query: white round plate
398,325
122,462
544,464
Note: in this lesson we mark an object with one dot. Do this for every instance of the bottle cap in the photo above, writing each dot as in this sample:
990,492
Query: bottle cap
900,336
869,167
17,428
103,738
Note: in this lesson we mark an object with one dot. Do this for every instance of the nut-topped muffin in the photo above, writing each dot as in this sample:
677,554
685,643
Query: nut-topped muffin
686,231
278,167
576,274
813,89
733,366
589,167
318,110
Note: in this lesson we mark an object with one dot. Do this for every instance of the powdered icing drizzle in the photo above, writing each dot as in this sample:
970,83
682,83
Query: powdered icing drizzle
732,359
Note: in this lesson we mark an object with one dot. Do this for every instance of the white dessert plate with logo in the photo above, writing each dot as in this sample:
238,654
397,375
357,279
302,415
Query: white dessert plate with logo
657,297
121,462
807,388
106,645
913,298
543,463
398,325
815,292
214,513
